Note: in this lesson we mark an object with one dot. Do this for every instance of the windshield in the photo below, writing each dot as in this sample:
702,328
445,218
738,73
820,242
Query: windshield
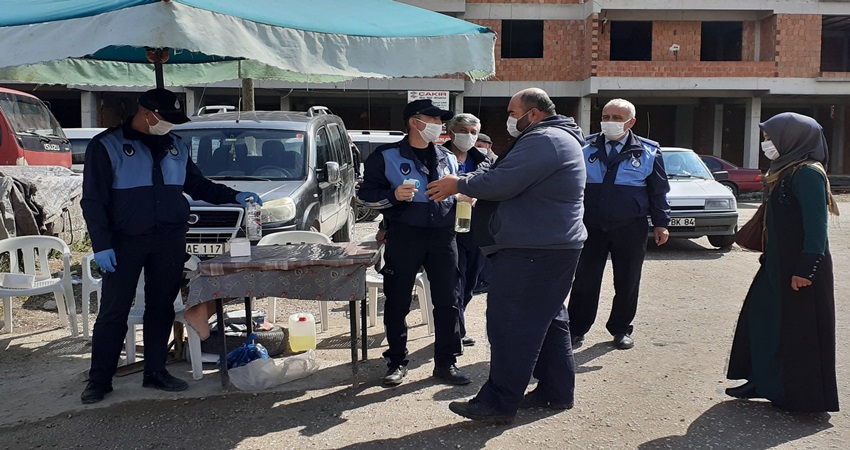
27,115
685,164
233,153
78,150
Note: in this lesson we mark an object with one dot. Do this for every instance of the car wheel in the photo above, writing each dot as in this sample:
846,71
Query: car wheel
276,341
723,242
345,233
365,214
731,186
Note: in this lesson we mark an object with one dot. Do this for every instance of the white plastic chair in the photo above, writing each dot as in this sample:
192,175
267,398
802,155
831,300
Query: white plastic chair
137,317
297,237
91,285
35,251
137,314
421,285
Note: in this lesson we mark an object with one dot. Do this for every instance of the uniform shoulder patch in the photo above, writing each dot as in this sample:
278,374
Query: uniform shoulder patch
649,142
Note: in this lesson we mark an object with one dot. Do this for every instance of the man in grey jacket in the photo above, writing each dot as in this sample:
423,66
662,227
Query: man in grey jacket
530,208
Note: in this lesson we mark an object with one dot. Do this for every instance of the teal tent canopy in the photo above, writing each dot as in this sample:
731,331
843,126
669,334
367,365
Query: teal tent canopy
104,42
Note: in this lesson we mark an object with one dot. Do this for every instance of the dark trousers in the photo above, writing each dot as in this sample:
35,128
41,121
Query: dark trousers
627,246
406,250
162,258
470,260
528,327
484,275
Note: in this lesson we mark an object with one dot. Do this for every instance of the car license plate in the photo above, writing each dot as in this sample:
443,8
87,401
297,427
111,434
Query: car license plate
205,249
683,222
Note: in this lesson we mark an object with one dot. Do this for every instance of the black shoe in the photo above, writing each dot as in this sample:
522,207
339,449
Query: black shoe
577,341
481,288
451,375
476,410
164,381
623,342
746,390
95,392
534,400
394,375
467,341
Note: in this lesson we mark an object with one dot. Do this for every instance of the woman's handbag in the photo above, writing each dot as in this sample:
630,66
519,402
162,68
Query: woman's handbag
751,235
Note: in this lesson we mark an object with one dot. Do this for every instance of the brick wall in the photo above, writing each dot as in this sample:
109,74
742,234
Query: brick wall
767,44
798,41
564,55
665,34
673,69
688,34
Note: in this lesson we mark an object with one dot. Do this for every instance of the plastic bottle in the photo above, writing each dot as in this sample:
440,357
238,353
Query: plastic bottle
463,217
302,332
253,220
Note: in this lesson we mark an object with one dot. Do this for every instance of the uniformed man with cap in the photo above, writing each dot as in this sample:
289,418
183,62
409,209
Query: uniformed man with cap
133,183
420,233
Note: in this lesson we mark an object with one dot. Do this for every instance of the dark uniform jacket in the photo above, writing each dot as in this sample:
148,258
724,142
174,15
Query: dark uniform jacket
632,185
387,168
133,185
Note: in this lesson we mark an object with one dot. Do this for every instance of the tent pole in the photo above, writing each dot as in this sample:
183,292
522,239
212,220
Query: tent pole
160,81
248,94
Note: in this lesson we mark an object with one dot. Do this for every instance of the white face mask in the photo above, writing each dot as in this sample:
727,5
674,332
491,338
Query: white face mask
512,129
161,128
613,130
483,150
769,150
431,132
464,141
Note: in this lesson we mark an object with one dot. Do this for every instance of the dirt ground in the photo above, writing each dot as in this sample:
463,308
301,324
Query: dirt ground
667,392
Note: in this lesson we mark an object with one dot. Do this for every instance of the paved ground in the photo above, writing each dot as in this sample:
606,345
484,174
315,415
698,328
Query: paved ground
667,392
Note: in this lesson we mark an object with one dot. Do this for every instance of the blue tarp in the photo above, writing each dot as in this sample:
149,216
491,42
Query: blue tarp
102,42
376,18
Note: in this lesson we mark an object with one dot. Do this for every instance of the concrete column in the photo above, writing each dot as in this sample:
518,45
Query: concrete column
459,103
88,109
752,134
191,103
285,103
584,107
836,158
757,41
717,148
684,126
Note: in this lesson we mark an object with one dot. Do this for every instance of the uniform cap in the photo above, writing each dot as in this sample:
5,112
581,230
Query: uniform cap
164,103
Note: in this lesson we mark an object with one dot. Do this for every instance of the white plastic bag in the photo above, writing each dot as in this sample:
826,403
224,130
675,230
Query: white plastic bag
265,373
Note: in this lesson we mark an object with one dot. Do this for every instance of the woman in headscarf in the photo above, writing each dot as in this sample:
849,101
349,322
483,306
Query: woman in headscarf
784,344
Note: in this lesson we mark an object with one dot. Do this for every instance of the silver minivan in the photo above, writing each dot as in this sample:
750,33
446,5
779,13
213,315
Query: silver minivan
300,164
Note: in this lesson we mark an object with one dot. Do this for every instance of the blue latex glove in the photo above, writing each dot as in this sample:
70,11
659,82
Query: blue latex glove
105,259
242,198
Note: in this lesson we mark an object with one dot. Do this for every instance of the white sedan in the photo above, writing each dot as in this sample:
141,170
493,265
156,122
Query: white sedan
700,206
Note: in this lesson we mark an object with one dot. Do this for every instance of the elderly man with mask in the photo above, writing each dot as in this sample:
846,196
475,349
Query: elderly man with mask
464,129
626,182
531,202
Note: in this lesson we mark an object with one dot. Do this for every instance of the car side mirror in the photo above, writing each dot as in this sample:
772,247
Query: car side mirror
333,172
720,175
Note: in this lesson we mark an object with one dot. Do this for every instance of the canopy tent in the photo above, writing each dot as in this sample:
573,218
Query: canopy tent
104,42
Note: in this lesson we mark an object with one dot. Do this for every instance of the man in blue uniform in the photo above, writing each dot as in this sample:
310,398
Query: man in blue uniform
134,178
528,218
626,182
420,233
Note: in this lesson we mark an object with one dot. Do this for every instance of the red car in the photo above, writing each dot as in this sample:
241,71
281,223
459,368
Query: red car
740,180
